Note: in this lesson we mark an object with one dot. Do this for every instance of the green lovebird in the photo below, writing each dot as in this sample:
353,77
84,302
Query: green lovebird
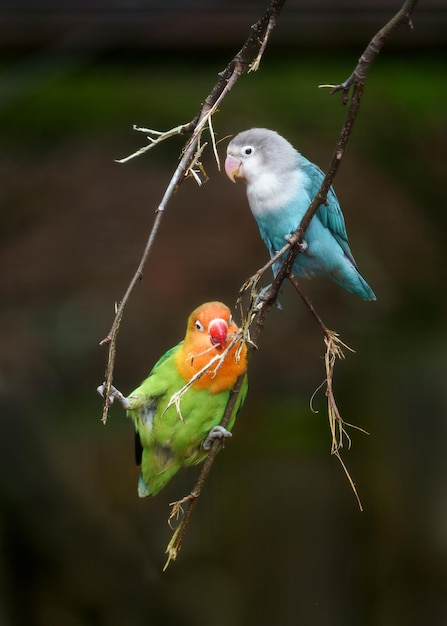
173,430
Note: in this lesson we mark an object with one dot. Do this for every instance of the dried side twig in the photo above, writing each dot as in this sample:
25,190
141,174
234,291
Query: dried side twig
213,365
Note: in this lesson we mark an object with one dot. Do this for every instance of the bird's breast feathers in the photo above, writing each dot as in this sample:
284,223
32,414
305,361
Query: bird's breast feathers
271,193
220,376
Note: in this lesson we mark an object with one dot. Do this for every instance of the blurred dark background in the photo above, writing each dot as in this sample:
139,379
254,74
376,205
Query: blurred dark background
277,537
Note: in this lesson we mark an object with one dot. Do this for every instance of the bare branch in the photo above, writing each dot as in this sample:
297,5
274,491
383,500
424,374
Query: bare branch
240,64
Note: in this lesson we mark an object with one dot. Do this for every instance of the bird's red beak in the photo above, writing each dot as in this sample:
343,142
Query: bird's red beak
218,331
232,168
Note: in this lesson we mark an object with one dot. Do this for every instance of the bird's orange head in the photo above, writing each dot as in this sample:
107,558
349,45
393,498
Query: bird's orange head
210,330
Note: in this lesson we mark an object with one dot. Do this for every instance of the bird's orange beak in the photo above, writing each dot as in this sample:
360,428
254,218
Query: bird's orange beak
232,168
218,331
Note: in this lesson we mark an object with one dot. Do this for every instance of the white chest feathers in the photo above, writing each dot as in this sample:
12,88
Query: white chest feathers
269,192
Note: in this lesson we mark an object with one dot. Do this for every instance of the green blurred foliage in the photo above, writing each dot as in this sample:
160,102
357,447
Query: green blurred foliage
277,537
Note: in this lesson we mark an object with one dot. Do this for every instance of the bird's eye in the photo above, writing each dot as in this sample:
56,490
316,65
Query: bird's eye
199,326
247,150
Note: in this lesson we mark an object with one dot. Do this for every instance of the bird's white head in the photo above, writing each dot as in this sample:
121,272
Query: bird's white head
269,164
258,152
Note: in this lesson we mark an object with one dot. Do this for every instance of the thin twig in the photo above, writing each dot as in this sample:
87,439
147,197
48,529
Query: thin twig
155,137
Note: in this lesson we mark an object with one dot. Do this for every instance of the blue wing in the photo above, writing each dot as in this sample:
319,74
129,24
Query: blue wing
330,215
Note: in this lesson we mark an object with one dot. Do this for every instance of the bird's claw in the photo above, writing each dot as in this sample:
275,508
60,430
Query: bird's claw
114,394
218,432
291,238
263,296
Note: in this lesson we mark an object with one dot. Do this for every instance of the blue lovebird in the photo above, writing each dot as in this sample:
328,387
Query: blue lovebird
281,184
